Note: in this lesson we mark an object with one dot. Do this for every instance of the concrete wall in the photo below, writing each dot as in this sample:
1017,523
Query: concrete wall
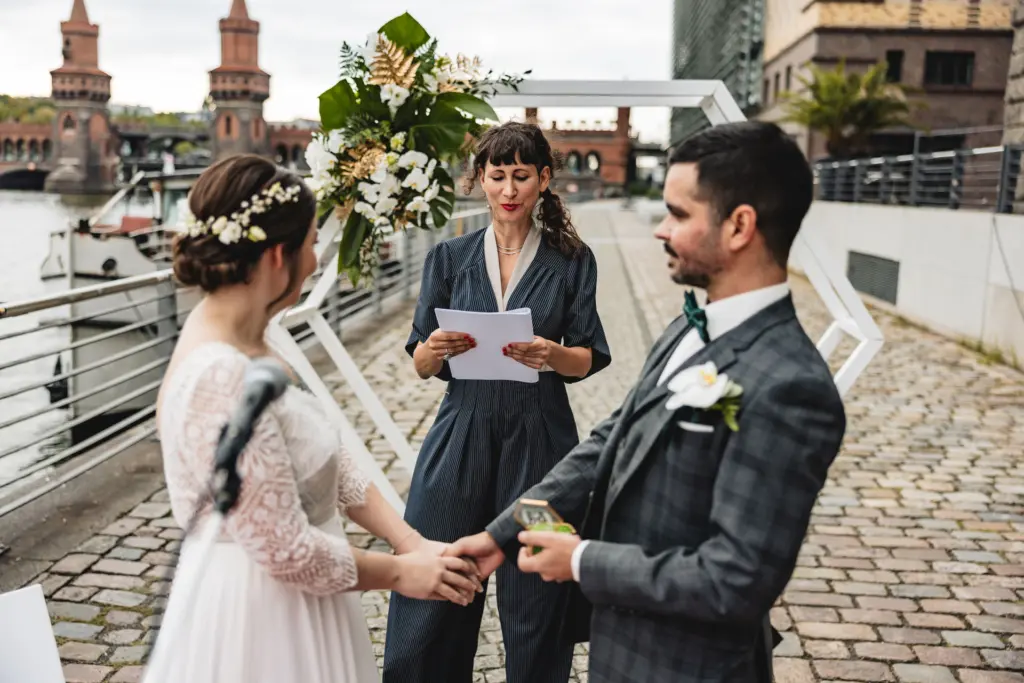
952,277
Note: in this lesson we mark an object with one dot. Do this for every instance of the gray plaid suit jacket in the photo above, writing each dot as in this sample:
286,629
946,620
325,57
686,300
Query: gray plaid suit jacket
695,534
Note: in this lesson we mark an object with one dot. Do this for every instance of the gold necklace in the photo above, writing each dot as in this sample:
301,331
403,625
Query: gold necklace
507,251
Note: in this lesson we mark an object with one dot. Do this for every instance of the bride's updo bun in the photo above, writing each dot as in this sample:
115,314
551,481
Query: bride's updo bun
228,187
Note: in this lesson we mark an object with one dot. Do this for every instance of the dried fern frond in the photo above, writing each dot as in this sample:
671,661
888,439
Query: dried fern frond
392,66
361,164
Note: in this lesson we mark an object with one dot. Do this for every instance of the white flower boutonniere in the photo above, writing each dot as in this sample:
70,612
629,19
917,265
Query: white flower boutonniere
703,388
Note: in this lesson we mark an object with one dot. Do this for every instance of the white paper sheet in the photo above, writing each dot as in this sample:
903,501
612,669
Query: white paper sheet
28,650
492,332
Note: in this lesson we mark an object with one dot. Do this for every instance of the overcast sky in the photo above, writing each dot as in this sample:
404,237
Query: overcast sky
159,51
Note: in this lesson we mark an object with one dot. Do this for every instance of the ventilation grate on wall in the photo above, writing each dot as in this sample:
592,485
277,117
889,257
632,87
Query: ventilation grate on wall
873,275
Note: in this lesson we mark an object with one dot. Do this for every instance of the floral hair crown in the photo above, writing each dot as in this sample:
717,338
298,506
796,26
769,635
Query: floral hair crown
232,229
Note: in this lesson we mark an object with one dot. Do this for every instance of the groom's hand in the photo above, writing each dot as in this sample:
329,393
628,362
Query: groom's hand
482,548
554,561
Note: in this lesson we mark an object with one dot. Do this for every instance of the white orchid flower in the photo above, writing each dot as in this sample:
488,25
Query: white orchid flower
432,192
365,210
413,159
394,96
385,205
318,157
369,49
390,185
369,191
417,180
698,387
336,141
381,172
419,205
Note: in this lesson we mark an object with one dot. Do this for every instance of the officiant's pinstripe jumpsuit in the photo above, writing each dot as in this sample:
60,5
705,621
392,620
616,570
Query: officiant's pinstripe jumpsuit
492,441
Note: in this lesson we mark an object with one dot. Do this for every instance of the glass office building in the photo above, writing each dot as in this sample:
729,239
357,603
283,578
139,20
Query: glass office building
717,40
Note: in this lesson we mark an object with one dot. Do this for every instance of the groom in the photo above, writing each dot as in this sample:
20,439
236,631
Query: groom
689,530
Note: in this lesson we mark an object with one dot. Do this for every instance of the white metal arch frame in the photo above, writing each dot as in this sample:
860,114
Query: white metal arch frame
850,315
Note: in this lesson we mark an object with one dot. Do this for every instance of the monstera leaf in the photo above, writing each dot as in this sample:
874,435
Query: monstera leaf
406,32
471,104
336,105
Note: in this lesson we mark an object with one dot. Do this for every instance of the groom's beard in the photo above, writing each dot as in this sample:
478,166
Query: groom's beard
683,274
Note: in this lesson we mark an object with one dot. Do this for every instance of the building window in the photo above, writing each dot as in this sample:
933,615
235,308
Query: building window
894,66
775,92
764,91
948,68
789,78
574,163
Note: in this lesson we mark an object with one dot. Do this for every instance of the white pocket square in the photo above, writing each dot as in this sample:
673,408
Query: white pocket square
696,427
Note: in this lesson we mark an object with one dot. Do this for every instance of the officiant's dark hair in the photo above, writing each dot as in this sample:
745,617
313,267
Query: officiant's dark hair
503,145
755,163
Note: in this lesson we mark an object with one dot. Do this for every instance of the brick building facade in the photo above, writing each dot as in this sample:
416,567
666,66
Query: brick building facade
84,146
955,52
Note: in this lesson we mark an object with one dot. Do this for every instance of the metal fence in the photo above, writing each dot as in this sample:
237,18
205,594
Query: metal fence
983,178
80,369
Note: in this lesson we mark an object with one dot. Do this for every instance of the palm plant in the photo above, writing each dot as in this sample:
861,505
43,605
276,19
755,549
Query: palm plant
848,108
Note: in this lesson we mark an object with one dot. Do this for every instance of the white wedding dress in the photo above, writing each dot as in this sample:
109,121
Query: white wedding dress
274,603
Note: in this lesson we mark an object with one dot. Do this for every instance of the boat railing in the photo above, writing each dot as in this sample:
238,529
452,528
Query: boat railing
73,400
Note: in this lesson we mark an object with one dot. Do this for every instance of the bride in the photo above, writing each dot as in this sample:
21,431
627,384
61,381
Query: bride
279,600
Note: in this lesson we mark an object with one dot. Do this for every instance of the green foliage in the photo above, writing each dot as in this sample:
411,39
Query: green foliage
161,120
848,108
27,109
406,32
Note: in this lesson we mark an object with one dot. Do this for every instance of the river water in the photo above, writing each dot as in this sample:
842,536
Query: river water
26,221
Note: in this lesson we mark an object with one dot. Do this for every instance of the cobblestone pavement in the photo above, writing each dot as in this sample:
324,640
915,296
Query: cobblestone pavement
913,569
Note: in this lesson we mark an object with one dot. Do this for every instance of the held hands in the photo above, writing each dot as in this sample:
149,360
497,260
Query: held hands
446,345
425,576
534,354
482,549
415,544
554,561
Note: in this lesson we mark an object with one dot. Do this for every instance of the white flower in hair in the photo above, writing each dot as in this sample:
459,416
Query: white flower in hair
232,229
230,233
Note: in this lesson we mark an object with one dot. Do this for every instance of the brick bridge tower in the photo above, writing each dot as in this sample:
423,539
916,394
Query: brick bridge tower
84,146
239,87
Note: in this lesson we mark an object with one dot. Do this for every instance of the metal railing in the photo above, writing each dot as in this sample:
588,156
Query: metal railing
983,178
80,369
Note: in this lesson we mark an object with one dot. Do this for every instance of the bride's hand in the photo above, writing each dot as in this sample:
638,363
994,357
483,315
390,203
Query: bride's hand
417,543
424,576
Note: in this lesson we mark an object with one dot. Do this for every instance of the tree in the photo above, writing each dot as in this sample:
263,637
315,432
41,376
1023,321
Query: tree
848,108
26,109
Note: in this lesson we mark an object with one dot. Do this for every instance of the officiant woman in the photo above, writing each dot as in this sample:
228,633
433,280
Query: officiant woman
493,440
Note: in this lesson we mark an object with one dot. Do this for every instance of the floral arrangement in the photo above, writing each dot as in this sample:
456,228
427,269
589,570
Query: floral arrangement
391,127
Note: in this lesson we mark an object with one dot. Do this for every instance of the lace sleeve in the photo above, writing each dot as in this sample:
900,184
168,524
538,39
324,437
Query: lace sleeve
268,522
352,483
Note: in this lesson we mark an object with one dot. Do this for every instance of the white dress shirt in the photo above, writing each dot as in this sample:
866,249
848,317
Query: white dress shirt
723,316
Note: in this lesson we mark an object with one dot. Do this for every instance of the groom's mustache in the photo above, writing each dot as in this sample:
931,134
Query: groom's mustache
669,250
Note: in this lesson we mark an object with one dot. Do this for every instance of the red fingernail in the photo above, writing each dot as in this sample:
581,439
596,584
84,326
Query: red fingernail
505,351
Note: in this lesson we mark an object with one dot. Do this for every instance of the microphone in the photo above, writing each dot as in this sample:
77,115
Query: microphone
264,382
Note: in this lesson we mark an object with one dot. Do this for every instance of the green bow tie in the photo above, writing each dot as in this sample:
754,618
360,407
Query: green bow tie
696,316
